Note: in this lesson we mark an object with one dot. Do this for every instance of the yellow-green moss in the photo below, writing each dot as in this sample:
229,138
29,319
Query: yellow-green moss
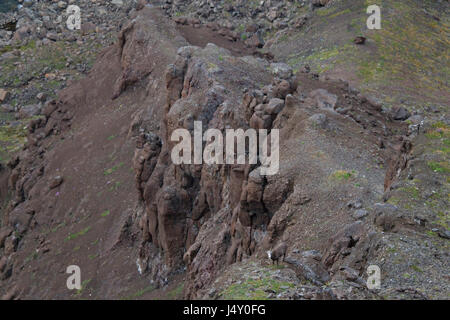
255,289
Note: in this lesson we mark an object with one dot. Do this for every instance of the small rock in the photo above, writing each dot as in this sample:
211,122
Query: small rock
281,70
356,204
255,41
7,108
275,106
3,262
359,40
400,113
3,95
87,28
140,4
41,96
11,293
432,109
314,254
349,273
62,5
117,2
272,14
55,182
444,234
29,111
50,76
319,3
359,214
27,3
282,89
324,99
299,22
52,36
212,293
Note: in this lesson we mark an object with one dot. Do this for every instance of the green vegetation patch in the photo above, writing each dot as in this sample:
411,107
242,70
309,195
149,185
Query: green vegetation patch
110,171
439,130
406,58
73,236
105,213
12,138
443,219
177,292
255,289
139,293
440,167
343,175
411,191
84,284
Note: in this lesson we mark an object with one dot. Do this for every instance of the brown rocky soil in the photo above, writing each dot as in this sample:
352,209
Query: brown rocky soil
95,186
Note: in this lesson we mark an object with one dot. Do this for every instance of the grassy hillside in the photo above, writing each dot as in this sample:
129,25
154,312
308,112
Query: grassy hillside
407,61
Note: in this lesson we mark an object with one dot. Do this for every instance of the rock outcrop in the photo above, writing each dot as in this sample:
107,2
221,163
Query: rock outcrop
340,153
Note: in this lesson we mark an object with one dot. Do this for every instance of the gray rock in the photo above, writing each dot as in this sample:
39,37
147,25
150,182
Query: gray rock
385,207
52,36
352,275
62,5
256,41
444,234
359,214
309,268
55,182
324,99
41,96
400,113
313,254
117,2
386,216
281,70
272,14
30,110
212,293
275,106
27,3
319,120
356,204
7,108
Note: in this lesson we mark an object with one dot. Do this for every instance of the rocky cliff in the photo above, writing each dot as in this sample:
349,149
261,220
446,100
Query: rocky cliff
358,183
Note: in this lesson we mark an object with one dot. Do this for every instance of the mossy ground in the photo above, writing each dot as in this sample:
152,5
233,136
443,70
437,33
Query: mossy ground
32,62
23,75
256,282
404,62
255,289
12,138
427,193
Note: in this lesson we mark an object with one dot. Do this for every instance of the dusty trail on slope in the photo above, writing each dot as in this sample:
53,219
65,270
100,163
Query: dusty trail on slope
202,36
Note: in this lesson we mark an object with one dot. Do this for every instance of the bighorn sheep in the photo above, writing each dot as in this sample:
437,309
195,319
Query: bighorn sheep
276,253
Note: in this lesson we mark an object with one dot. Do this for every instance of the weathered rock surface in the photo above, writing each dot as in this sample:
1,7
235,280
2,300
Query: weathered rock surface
102,150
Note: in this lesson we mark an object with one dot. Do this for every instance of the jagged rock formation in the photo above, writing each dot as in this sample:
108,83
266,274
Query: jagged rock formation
205,217
340,154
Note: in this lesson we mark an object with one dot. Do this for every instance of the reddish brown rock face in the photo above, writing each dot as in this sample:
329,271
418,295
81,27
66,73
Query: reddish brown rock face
97,163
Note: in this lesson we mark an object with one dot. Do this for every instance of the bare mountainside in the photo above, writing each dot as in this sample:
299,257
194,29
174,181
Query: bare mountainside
363,175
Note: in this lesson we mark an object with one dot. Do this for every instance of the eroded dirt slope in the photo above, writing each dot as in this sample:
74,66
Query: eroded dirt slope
95,185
